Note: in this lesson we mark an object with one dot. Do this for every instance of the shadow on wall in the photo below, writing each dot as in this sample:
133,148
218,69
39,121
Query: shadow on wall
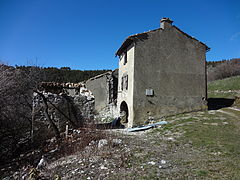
115,124
218,103
124,112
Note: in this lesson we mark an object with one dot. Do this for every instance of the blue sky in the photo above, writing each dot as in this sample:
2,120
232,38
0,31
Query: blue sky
85,34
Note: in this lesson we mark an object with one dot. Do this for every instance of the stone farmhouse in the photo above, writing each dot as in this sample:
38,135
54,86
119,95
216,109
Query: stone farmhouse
162,72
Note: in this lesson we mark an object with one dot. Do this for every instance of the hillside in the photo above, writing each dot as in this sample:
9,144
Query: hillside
196,145
228,87
223,69
232,83
63,74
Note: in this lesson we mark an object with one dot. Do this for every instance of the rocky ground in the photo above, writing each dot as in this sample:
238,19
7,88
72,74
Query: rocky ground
197,145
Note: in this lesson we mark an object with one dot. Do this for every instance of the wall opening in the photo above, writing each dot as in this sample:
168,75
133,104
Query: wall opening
124,112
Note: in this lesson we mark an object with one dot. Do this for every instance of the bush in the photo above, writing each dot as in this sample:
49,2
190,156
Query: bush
223,69
16,107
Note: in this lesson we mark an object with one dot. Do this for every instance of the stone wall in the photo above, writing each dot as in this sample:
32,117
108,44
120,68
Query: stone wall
172,65
166,74
104,89
65,101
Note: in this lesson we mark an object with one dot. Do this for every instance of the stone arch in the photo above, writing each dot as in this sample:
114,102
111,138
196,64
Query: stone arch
124,111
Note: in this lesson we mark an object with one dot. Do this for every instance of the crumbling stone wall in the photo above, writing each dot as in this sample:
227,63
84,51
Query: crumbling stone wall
113,86
104,88
66,103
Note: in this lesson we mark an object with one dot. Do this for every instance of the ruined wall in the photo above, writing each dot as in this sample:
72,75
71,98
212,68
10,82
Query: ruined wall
100,89
65,101
173,66
104,89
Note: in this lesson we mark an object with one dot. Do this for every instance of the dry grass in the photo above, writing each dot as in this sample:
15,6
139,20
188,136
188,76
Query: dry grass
198,145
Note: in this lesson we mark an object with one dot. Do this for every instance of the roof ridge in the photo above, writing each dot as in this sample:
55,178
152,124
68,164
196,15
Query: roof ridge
131,38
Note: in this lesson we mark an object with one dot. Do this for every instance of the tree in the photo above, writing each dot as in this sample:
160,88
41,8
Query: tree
223,69
17,121
16,108
65,68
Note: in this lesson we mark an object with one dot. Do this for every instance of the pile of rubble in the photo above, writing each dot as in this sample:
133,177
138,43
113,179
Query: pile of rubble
65,101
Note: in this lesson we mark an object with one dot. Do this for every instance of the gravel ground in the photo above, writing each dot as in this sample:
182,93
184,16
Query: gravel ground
191,146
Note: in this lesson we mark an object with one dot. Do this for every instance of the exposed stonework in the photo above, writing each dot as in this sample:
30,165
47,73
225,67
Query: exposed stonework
107,114
104,89
161,72
65,101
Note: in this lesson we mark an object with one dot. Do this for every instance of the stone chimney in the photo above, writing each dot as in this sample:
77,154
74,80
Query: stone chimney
165,23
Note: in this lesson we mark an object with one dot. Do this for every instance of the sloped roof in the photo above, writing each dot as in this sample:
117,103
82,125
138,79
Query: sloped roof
132,38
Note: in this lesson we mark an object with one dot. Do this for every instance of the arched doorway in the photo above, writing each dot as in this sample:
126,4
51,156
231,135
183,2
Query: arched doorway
124,112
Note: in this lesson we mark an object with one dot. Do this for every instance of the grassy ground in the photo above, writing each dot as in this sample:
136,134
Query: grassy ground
200,145
232,83
196,145
225,88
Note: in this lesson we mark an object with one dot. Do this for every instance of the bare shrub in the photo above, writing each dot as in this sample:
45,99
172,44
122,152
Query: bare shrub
16,108
223,69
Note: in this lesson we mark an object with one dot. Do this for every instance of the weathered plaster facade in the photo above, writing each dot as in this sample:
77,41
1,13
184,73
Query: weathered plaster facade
167,63
126,69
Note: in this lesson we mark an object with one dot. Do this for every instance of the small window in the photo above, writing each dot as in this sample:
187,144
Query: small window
124,83
125,58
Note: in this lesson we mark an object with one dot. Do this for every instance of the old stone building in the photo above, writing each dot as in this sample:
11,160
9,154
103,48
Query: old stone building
104,88
161,72
66,103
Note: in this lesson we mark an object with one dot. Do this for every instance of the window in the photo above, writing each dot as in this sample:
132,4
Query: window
125,58
124,83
